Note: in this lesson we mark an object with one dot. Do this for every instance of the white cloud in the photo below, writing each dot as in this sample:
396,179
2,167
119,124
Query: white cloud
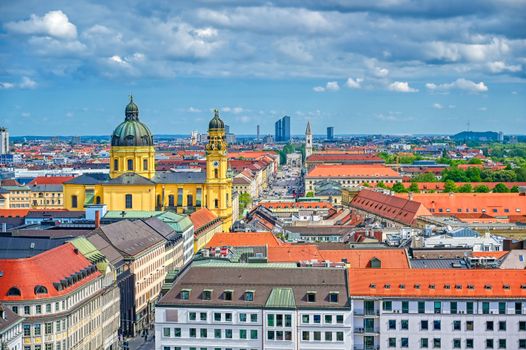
501,66
332,86
53,23
6,85
25,83
401,86
294,49
461,84
438,106
354,83
318,89
193,110
493,47
235,110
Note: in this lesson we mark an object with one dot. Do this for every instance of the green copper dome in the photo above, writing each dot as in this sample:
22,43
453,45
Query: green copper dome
131,132
216,122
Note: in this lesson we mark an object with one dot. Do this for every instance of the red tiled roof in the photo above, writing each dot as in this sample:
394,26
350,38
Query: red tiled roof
5,213
294,253
202,217
496,255
360,258
439,186
343,157
50,180
351,170
243,239
390,207
502,204
431,283
303,205
43,269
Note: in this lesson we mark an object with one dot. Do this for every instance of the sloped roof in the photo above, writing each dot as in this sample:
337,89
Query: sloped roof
243,239
10,318
302,205
344,157
294,253
434,283
49,180
89,179
202,217
179,177
352,170
44,269
360,258
393,208
281,298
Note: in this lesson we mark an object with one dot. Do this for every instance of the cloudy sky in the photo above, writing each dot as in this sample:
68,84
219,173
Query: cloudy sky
384,66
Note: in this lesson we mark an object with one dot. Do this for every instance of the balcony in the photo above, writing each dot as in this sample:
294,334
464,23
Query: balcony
367,330
367,312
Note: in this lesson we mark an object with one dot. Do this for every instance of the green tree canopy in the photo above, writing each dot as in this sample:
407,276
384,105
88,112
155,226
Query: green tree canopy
466,188
501,188
482,189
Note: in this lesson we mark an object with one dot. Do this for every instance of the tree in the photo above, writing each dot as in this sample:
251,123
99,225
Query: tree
482,189
381,184
475,161
425,177
515,189
501,188
466,188
309,194
244,202
398,187
473,174
450,186
455,174
414,188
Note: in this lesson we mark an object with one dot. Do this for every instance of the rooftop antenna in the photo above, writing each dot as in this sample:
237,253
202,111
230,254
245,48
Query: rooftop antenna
468,125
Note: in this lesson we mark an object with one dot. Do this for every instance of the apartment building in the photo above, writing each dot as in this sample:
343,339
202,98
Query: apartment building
10,329
218,305
62,303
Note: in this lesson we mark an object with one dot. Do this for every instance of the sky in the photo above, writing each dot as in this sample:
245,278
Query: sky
364,67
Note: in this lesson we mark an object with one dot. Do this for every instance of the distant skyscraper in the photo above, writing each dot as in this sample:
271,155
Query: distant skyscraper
330,133
308,141
257,133
4,141
282,128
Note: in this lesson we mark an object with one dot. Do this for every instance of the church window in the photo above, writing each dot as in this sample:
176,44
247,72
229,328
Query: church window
97,200
130,164
216,203
198,197
171,200
129,201
145,164
179,197
74,201
116,164
189,200
226,200
216,173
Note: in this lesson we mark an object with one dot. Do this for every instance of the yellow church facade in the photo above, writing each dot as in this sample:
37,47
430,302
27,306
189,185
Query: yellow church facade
133,183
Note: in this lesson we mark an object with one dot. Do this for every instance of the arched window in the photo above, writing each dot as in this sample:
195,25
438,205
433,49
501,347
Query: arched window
227,199
40,289
216,173
97,200
171,200
145,164
130,164
14,291
116,164
216,203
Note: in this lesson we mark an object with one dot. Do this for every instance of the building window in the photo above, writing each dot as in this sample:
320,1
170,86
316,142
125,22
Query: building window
216,173
145,164
198,197
387,306
424,343
456,325
436,325
185,294
115,164
203,333
453,307
74,201
242,334
469,307
171,200
404,342
485,307
217,333
129,201
207,294
130,164
179,197
469,325
249,295
14,291
502,325
189,200
270,320
166,332
522,343
311,297
437,343
405,307
489,343
305,336
254,334
522,325
391,342
217,316
27,330
227,295
424,325
391,324
404,324
216,203
333,297
502,308
193,333
242,317
489,325
518,308
253,318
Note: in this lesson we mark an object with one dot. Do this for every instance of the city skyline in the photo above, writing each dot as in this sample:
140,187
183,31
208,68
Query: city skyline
390,67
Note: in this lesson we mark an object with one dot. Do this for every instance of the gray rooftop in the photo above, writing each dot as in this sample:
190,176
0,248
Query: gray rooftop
25,247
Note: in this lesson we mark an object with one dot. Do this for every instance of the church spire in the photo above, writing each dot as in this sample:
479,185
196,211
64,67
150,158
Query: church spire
308,131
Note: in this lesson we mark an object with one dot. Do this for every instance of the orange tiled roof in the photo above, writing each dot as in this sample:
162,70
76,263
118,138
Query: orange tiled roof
351,170
248,154
343,157
43,269
431,283
50,180
439,186
496,255
503,204
243,239
283,205
5,213
294,253
390,207
360,258
202,217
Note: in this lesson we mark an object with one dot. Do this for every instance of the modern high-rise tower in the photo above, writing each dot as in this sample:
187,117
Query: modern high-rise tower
282,128
4,141
330,133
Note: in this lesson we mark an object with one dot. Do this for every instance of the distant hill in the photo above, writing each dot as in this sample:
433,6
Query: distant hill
477,136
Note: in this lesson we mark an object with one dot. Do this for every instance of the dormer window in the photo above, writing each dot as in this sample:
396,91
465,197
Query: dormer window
207,294
431,286
487,286
185,294
506,286
13,291
227,295
470,286
311,297
401,286
458,286
249,295
40,289
447,286
387,286
372,285
333,297
417,286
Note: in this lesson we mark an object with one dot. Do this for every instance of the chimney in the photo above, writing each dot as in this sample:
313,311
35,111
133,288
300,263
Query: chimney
410,195
97,218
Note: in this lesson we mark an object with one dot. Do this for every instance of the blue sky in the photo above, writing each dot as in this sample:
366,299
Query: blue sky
386,66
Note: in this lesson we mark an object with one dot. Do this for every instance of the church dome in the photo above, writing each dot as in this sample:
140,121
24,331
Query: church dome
216,122
131,132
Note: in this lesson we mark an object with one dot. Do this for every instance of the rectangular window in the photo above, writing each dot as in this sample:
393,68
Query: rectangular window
469,325
130,164
339,319
228,317
317,318
424,343
489,343
185,294
391,324
328,319
207,294
328,336
457,343
502,343
489,325
227,295
502,308
333,297
424,325
456,325
38,309
438,307
48,308
387,306
316,336
202,316
453,307
37,330
145,164
203,333
242,334
288,320
74,201
522,325
405,307
518,308
253,318
305,335
254,334
249,295
404,342
217,316
404,324
270,320
436,325
391,342
192,316
279,320
171,200
502,325
437,343
27,330
421,307
485,307
48,327
129,201
469,307
193,333
305,318
217,333
242,317
177,332
198,197
166,332
339,336
179,197
469,343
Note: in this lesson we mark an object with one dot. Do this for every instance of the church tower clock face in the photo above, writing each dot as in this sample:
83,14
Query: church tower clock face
216,164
